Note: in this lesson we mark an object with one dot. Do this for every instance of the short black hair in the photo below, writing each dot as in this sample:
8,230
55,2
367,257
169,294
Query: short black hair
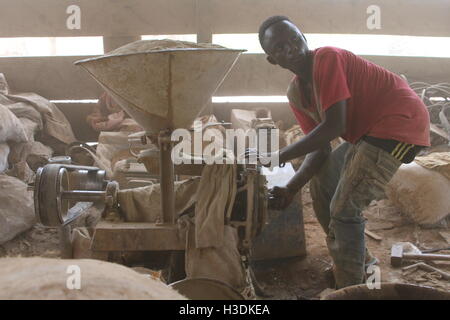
268,22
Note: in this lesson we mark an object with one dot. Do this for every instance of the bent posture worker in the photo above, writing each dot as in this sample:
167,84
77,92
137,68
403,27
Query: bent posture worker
337,94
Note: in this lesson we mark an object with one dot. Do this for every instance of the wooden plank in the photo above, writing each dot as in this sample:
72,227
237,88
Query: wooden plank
253,75
401,17
373,235
55,78
47,18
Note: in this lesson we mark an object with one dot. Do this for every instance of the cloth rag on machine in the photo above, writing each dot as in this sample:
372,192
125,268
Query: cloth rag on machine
213,194
215,199
219,263
144,204
212,247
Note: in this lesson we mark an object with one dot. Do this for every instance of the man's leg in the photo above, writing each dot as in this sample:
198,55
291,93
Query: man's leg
367,170
323,185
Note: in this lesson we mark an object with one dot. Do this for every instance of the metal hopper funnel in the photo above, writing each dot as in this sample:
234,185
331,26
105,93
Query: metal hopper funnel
163,85
162,88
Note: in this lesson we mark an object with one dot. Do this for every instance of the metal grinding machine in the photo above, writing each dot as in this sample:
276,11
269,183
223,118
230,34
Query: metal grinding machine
162,90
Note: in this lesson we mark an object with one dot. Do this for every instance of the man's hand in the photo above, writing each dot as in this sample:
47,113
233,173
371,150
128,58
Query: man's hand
280,198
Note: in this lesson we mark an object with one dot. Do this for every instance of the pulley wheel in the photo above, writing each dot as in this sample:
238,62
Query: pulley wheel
50,181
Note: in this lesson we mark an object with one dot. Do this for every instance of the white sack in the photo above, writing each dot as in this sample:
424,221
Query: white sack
11,128
4,152
421,194
50,279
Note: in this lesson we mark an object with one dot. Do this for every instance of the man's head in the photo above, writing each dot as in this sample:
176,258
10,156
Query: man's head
284,44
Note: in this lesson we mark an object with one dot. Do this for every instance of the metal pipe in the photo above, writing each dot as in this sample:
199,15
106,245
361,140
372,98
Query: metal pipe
83,195
166,178
65,242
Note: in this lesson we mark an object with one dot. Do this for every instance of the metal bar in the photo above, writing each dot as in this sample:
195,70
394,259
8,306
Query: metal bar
83,195
167,180
65,243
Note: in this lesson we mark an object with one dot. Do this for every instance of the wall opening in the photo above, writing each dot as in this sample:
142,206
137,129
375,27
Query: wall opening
50,46
249,99
182,37
361,44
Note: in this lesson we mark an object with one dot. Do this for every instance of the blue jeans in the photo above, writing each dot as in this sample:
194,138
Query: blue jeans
351,177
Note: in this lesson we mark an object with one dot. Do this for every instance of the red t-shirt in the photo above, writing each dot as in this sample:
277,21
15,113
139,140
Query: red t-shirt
379,103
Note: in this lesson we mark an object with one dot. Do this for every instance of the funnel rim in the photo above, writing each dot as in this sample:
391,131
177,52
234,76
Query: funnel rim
169,50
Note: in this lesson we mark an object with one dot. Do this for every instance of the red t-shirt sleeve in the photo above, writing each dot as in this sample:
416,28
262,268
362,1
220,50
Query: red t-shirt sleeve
305,122
331,79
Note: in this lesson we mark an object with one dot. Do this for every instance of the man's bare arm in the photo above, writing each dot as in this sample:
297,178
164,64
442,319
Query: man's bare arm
331,127
281,197
310,166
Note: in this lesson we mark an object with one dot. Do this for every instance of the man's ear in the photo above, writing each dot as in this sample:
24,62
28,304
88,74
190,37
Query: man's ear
271,60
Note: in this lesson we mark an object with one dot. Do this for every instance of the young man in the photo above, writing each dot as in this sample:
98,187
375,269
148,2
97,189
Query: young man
337,94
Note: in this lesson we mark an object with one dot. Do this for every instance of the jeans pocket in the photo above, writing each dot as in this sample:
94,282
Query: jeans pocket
367,190
387,166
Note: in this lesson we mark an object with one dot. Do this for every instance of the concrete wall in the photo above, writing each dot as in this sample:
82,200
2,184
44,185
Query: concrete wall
130,17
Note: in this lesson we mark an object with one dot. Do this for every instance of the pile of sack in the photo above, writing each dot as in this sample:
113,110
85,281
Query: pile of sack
32,129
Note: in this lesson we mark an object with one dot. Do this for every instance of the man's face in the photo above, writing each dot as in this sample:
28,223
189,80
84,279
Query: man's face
286,46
